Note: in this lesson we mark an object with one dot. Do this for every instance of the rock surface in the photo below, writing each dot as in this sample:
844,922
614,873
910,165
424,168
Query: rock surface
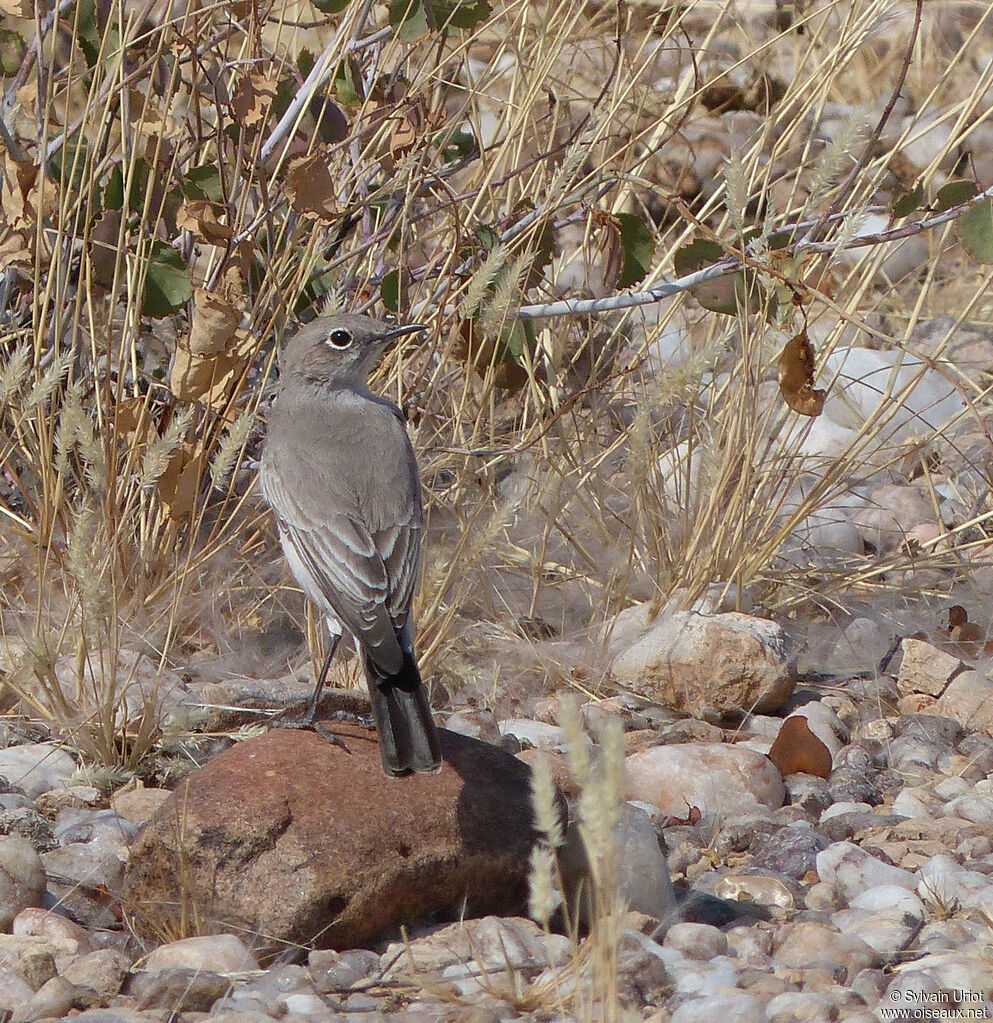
710,666
292,839
22,879
715,778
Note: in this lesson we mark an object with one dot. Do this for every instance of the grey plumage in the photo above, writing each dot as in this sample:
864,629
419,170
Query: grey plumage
340,474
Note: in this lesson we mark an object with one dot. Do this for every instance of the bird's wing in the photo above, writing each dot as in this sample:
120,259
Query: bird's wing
367,578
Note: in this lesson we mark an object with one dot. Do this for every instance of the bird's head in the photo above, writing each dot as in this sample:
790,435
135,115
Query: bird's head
340,350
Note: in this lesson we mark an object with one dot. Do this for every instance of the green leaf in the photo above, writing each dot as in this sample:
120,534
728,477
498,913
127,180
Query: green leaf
698,254
488,236
724,294
203,183
466,15
461,144
389,291
113,194
90,33
12,50
408,19
305,62
954,194
347,87
411,19
330,6
638,246
908,202
167,282
975,231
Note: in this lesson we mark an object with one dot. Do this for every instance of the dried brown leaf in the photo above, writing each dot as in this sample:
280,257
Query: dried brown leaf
253,97
179,483
200,217
309,187
209,362
796,377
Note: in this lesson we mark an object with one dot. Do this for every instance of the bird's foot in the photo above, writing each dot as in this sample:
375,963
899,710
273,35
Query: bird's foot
308,722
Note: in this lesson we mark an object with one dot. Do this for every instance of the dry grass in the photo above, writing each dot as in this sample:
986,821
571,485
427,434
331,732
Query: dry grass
132,537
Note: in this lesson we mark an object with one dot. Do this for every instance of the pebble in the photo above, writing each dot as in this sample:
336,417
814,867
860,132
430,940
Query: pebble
696,941
218,953
15,991
944,883
716,779
852,870
726,1006
22,878
36,767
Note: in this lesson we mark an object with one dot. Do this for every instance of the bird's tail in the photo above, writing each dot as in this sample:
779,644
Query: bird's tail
408,739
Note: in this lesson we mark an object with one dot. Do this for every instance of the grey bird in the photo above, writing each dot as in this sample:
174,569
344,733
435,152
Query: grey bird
340,474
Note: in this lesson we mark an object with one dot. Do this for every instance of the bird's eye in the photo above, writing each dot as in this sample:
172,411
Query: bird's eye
339,338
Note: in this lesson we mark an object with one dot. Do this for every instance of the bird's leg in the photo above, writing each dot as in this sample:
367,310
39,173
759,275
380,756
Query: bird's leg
307,721
321,679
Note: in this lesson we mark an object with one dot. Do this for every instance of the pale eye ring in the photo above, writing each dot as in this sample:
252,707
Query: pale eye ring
339,338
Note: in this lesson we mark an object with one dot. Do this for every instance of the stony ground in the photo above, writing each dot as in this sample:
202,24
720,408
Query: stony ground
856,886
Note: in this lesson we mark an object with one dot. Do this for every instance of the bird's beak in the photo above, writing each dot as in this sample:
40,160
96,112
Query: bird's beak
397,332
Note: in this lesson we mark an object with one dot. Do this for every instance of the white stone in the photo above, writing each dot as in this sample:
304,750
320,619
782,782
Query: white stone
536,733
845,806
976,808
693,977
14,990
219,953
697,941
917,802
944,883
928,983
725,1006
642,869
861,646
889,896
852,870
710,666
717,778
952,787
925,669
888,931
36,767
968,699
875,381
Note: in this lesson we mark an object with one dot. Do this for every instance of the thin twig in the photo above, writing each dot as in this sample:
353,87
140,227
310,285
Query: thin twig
726,267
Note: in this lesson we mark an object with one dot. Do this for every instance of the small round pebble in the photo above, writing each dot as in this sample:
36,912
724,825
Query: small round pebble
220,953
696,941
22,878
727,1006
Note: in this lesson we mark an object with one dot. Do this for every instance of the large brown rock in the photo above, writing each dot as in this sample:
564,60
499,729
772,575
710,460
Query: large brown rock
294,840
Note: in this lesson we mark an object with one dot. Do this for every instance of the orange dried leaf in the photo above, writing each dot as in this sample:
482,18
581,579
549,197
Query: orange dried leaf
179,483
796,750
14,251
199,217
309,187
133,423
210,361
215,322
252,98
414,123
796,377
27,196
